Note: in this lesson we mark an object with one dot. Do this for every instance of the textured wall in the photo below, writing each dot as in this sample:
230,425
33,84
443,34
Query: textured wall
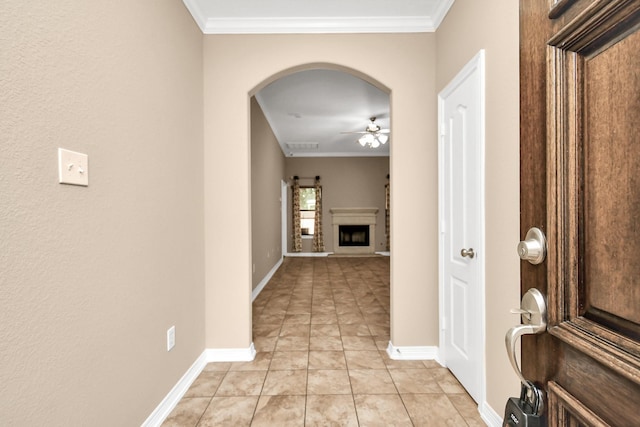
91,278
267,173
347,182
235,67
470,26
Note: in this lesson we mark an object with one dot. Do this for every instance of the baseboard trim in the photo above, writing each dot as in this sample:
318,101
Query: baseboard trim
265,280
230,354
489,416
178,391
167,405
413,352
308,254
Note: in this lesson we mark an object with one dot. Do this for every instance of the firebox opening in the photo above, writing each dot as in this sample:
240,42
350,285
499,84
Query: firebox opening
354,235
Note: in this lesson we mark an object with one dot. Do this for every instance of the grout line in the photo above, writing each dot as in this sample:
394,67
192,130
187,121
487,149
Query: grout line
205,409
313,281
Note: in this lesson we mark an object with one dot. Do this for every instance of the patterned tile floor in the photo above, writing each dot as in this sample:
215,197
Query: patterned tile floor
321,329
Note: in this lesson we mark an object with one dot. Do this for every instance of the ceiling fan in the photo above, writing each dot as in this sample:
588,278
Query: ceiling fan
372,136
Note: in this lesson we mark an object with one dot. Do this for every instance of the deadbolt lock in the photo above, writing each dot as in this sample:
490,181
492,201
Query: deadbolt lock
534,246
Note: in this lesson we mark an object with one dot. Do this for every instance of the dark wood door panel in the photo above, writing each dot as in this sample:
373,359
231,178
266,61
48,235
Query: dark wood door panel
593,158
591,383
580,183
567,410
612,182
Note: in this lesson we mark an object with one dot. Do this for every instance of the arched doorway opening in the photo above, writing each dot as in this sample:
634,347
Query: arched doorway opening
299,120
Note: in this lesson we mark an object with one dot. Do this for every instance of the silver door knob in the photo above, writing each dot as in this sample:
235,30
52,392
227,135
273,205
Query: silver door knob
467,252
534,246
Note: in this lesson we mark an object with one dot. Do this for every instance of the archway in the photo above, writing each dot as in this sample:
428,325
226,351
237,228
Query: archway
235,68
350,178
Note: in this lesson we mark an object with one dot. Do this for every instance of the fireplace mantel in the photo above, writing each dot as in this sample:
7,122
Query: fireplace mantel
354,216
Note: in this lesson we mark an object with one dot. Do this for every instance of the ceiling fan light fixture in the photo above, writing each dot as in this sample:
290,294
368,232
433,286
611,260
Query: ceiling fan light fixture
366,139
373,136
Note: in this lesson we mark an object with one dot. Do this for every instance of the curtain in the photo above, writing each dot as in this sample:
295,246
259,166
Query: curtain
318,237
297,233
387,216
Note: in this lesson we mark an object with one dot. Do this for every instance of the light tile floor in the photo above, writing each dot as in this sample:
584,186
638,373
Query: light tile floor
321,329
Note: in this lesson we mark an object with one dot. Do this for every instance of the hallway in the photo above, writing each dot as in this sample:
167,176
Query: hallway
321,329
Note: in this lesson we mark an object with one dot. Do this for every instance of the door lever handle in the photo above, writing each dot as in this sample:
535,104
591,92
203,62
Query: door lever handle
510,340
534,317
527,314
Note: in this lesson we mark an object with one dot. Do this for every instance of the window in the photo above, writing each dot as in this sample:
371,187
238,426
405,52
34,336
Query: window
307,210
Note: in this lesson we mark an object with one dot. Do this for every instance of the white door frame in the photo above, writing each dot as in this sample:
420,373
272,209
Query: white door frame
284,192
476,65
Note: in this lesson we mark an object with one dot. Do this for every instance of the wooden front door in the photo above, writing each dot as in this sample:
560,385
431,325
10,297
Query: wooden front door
580,183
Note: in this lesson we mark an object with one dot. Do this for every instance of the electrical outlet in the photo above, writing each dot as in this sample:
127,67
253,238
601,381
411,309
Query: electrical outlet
73,168
171,338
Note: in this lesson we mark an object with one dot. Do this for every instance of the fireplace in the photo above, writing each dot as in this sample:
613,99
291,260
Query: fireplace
353,235
354,230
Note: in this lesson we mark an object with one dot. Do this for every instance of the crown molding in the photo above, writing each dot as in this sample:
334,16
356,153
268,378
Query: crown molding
369,153
198,15
317,25
441,12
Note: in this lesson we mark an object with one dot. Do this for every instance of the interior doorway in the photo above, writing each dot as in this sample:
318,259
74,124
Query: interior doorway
352,174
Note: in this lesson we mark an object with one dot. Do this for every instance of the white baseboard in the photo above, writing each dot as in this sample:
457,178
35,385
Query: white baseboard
165,407
308,254
413,353
489,416
230,354
265,280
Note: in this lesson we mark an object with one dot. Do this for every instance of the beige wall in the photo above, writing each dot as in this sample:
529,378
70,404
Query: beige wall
267,173
235,67
91,278
493,25
347,182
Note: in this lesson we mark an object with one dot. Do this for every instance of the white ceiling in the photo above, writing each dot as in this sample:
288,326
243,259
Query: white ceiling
308,110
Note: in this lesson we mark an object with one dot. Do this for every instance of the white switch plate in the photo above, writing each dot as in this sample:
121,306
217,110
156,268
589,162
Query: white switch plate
73,168
171,338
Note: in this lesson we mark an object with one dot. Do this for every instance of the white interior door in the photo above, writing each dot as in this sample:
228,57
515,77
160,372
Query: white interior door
461,189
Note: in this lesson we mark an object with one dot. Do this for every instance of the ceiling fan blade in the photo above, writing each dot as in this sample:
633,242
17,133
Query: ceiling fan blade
372,128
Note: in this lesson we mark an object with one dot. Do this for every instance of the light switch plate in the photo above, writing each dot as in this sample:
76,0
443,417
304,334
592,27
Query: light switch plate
73,167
